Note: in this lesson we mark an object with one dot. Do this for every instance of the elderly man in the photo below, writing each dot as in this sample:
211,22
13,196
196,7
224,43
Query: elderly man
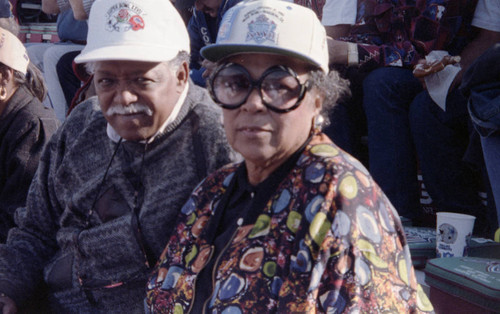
114,176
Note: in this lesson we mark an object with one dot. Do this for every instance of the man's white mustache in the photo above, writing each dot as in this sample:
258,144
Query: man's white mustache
129,109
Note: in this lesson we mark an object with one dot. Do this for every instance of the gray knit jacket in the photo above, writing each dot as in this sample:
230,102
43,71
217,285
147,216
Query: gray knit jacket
97,260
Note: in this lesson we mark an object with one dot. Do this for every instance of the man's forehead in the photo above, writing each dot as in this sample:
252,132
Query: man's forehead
130,67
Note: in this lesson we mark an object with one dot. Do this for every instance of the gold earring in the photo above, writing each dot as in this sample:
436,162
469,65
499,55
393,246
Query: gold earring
3,93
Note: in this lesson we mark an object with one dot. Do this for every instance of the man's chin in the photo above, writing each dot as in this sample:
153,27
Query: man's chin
135,134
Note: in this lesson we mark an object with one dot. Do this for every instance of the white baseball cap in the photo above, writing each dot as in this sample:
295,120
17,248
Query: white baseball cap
12,52
140,30
271,26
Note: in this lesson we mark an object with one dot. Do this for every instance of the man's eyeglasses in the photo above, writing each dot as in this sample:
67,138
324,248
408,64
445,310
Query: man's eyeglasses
279,87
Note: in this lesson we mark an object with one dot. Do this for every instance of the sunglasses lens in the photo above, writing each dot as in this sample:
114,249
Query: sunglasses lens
280,89
230,86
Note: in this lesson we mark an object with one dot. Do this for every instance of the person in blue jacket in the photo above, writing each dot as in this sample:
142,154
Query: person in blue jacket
202,28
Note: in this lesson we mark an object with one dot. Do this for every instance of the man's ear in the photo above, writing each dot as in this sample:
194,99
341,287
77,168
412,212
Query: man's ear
182,74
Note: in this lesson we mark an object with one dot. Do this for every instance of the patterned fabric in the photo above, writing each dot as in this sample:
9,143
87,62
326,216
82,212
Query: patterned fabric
400,32
327,240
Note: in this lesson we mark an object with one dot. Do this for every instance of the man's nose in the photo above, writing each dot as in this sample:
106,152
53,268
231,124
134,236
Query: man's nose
124,95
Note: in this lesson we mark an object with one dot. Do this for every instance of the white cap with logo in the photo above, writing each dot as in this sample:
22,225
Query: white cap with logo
12,52
271,26
140,30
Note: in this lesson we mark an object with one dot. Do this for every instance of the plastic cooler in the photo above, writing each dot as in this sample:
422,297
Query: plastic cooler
422,243
464,284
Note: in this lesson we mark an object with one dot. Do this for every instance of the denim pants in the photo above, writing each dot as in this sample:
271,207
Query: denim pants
403,123
481,83
388,93
491,152
441,139
484,109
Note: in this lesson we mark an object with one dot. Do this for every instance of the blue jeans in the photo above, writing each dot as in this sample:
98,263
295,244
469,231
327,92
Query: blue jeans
404,123
491,152
388,94
484,109
441,139
482,84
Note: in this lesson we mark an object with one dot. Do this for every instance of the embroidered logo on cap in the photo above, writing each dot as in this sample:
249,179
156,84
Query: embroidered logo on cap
122,17
261,29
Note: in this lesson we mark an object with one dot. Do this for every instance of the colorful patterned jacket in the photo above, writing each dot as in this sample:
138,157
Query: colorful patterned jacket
328,239
400,32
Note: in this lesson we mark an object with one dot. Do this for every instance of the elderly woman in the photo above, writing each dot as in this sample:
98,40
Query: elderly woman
299,225
25,126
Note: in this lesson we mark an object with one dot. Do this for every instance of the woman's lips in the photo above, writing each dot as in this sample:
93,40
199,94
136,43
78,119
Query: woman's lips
252,130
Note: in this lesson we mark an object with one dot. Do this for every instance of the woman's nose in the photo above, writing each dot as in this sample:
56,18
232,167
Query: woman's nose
254,101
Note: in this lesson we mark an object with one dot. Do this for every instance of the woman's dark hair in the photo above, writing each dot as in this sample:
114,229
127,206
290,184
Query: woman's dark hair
33,80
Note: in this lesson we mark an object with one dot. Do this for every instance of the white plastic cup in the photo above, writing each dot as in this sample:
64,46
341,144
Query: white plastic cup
453,232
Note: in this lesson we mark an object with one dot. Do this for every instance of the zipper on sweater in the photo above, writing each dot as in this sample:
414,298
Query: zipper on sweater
239,223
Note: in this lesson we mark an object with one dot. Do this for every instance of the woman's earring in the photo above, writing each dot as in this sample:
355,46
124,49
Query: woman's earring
317,124
3,93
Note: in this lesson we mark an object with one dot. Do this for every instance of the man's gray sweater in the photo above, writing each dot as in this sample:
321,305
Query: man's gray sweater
92,237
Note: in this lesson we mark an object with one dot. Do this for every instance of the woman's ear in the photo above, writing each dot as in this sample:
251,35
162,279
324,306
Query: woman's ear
318,103
6,77
3,93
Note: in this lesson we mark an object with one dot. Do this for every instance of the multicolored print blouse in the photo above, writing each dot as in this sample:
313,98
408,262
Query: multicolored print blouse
328,240
400,32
